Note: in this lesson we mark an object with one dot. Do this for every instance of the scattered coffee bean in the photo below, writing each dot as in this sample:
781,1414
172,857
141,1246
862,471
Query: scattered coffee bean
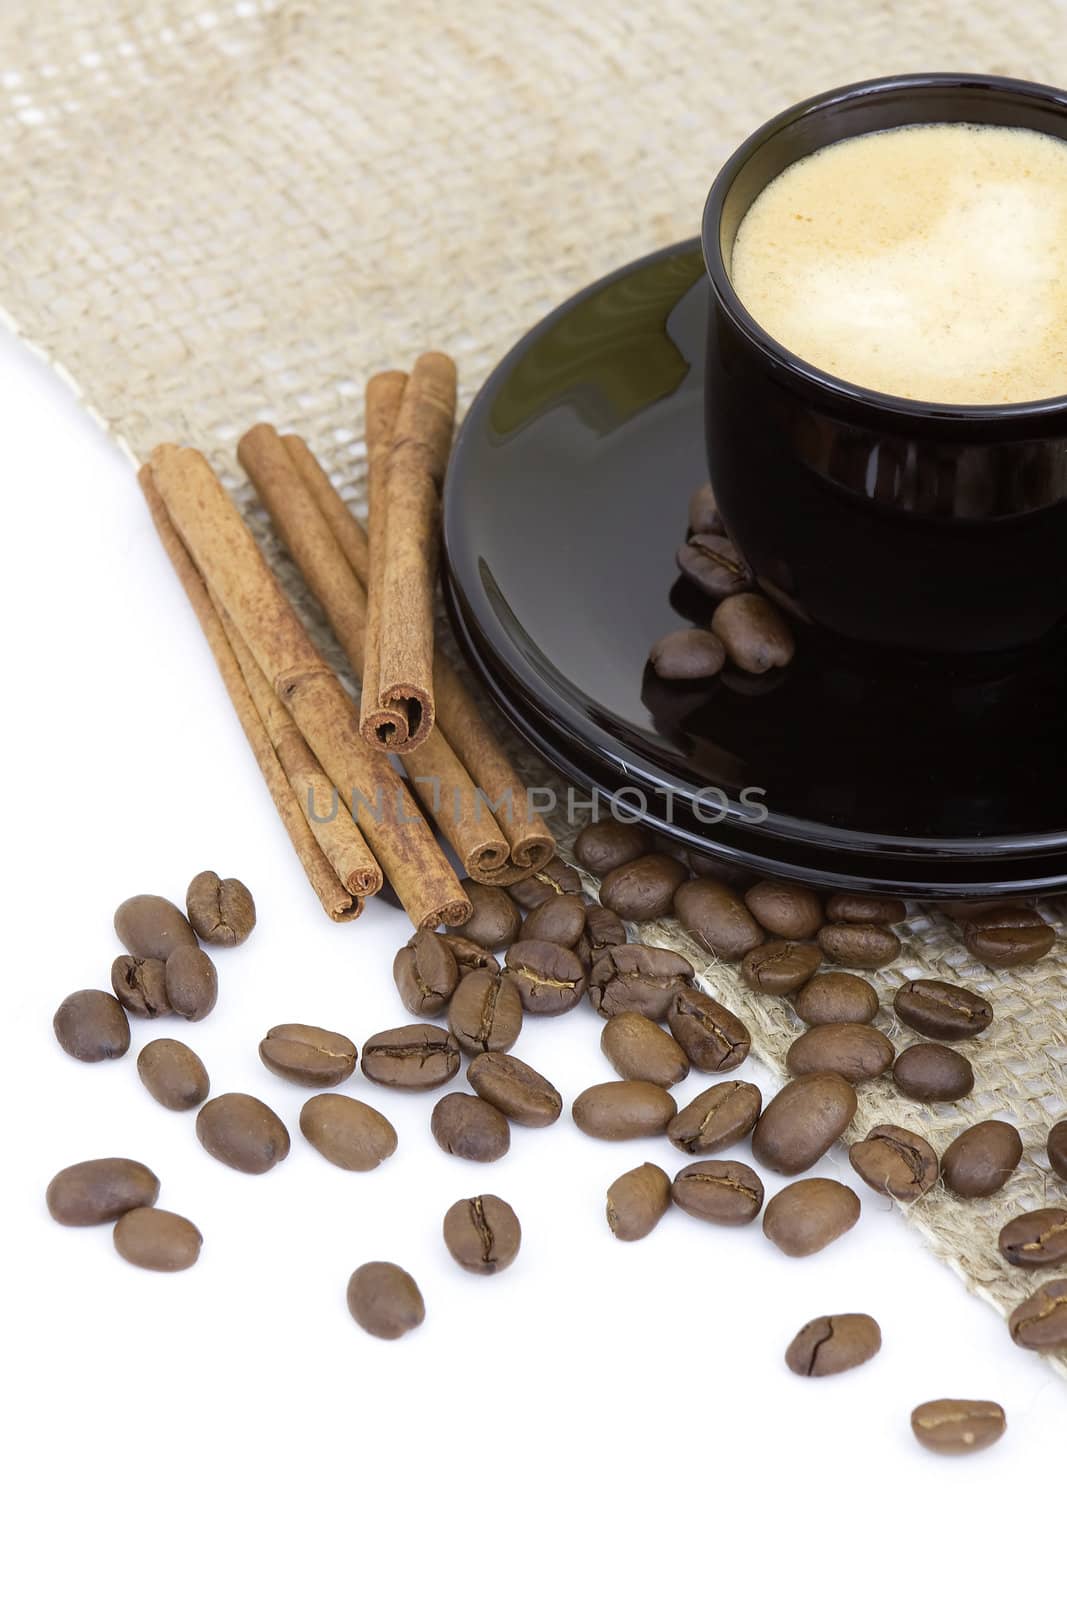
715,565
802,1121
864,908
1057,1149
426,973
221,910
242,1132
347,1132
637,1200
418,1056
788,910
637,1047
958,1427
713,1039
704,514
495,919
173,1074
549,978
727,1192
756,635
942,1010
313,1057
140,985
933,1072
385,1300
602,846
867,945
687,655
100,1190
836,997
603,930
1036,1238
466,1125
161,1241
470,957
482,1234
980,1160
780,966
642,890
626,1110
522,1094
1011,937
149,926
718,1117
555,877
192,982
485,1012
896,1162
829,1345
809,1214
854,1050
717,918
560,920
1040,1323
92,1026
638,977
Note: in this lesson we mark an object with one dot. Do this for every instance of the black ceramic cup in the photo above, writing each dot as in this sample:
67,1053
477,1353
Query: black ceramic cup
926,527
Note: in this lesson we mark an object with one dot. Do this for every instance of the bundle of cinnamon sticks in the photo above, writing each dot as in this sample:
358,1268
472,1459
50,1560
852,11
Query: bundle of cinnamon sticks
352,819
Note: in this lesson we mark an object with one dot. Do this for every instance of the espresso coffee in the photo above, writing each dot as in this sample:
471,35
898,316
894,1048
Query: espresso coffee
922,262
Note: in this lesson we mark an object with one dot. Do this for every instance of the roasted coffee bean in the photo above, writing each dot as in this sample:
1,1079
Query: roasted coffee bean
555,877
173,1074
347,1132
980,1160
495,919
192,982
942,1010
637,1047
418,1056
1040,1323
704,516
313,1057
642,890
715,565
468,1126
100,1190
627,1110
755,633
829,1345
560,920
803,1121
385,1300
149,926
1008,938
703,866
242,1132
522,1094
836,997
92,1026
221,910
161,1241
895,1161
482,1234
1057,1149
549,977
1036,1238
717,918
864,908
687,655
602,846
637,1200
867,945
727,1192
717,1118
806,1216
470,957
780,966
854,1050
713,1039
485,1013
958,1427
788,910
140,985
425,973
933,1072
638,977
604,930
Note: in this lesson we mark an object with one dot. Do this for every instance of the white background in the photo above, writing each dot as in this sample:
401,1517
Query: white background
603,1417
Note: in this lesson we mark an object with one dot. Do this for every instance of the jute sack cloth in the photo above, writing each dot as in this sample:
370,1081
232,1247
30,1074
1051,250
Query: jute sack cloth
218,213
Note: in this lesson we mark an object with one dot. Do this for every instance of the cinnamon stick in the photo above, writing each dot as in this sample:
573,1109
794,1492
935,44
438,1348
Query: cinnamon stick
397,710
337,901
234,569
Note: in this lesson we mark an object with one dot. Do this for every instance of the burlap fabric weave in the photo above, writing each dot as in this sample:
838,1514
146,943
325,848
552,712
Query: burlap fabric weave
217,213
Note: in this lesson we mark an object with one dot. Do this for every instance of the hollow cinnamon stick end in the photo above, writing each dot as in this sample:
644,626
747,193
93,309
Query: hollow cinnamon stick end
400,722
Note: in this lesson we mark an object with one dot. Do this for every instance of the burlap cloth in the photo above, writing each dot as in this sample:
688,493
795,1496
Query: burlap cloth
215,213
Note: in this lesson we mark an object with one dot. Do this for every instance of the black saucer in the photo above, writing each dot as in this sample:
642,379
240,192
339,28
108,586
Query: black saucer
565,502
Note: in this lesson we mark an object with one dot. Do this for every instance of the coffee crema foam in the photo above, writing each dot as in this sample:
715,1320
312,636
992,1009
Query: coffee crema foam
927,262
